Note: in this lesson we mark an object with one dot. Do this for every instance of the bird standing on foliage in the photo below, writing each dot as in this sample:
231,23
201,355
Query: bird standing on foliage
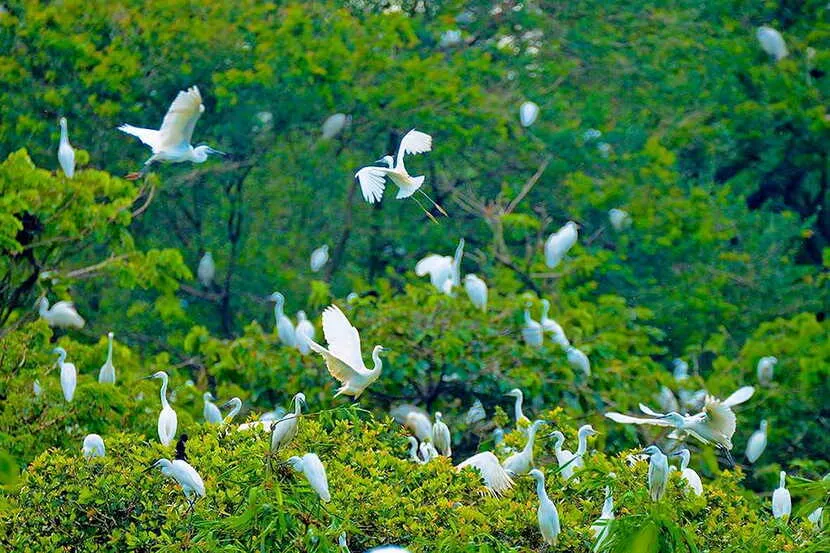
559,243
61,315
757,443
211,412
680,370
547,514
106,375
476,291
185,475
582,435
522,422
496,479
167,417
549,325
236,406
772,42
578,360
93,446
563,456
521,462
444,271
285,429
441,436
206,271
66,153
303,332
532,330
319,258
69,375
782,504
600,528
314,471
415,419
766,370
285,329
689,475
658,472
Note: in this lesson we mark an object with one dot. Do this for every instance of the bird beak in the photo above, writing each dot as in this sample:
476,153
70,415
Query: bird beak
148,469
217,152
226,404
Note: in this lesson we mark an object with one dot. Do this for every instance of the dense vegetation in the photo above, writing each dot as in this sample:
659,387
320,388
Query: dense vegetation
716,150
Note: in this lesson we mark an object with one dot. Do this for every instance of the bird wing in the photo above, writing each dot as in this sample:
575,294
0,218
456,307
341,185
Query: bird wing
739,396
372,182
180,120
648,411
150,137
496,479
414,142
432,263
190,476
344,345
719,417
626,419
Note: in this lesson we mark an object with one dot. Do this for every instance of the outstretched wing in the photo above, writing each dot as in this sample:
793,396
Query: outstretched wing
148,136
648,411
178,124
413,142
496,479
372,182
719,417
739,396
343,339
626,419
337,367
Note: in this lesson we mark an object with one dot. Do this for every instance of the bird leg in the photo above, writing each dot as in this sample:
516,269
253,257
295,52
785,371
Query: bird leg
438,207
432,218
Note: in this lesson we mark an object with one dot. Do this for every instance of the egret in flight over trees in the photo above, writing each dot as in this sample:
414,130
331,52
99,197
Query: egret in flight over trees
532,330
61,315
521,462
689,475
167,417
772,42
66,153
496,479
285,429
206,271
106,375
185,475
69,375
314,471
319,258
285,329
528,112
211,412
757,443
343,356
441,436
658,472
766,370
522,422
782,504
551,326
559,243
476,291
171,143
303,332
93,446
547,514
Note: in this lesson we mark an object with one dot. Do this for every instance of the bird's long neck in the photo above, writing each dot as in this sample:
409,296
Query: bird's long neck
297,408
531,438
540,489
545,309
163,392
64,133
109,350
61,357
518,407
278,314
378,363
583,444
528,320
235,409
608,506
782,482
44,307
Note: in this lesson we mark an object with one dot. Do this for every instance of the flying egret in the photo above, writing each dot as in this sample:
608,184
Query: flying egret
236,406
106,375
532,330
303,332
314,471
36,388
601,527
343,357
167,417
211,412
66,153
319,258
772,42
549,325
766,370
171,143
528,112
563,456
476,291
521,462
415,419
444,271
334,125
578,360
558,243
522,422
667,400
185,475
285,429
206,271
547,514
689,475
285,329
61,315
782,504
441,436
680,370
69,375
93,446
619,219
658,472
496,479
757,443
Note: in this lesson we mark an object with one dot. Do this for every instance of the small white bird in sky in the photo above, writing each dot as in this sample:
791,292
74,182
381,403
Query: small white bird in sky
521,462
619,219
528,112
319,258
171,143
578,360
496,479
61,315
93,446
185,475
314,471
66,153
522,422
551,326
168,421
532,330
344,358
601,527
303,332
285,328
69,375
285,429
772,42
658,472
546,514
559,243
757,443
106,375
476,291
444,271
782,504
766,370
563,456
441,437
211,412
689,475
206,271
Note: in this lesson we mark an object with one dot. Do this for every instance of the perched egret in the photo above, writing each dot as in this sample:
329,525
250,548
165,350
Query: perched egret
772,42
182,472
106,375
334,125
69,375
314,471
578,360
521,462
680,370
441,436
689,475
93,446
582,435
285,329
496,479
528,112
547,514
36,388
476,291
450,37
766,370
658,472
619,219
211,412
285,429
549,325
171,143
303,332
532,330
319,257
558,243
343,357
415,419
66,153
61,315
476,413
206,271
167,417
782,504
757,443
236,406
522,422
563,456
444,271
600,528
427,451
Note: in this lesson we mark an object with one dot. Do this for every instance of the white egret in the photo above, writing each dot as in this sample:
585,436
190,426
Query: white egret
772,42
93,446
69,375
689,475
532,330
559,243
476,291
206,271
343,358
601,527
680,370
285,429
816,517
36,388
757,443
658,472
427,451
314,471
167,417
476,413
61,315
496,479
444,271
619,219
441,436
303,332
285,329
582,435
563,456
211,412
521,462
551,326
415,419
528,112
522,422
66,153
185,475
334,125
450,37
578,360
413,450
171,143
319,258
547,515
236,406
782,504
766,370
106,375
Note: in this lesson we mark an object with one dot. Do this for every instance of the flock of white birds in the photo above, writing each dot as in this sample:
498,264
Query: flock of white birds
705,418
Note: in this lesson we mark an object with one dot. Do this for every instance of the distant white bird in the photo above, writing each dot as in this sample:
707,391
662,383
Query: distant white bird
450,37
563,457
93,446
772,42
619,219
757,443
344,358
415,419
206,271
61,315
334,125
551,326
658,472
66,153
766,370
476,291
496,479
782,504
185,475
319,257
388,549
427,451
106,374
210,411
167,417
171,143
286,428
578,360
582,435
236,406
314,471
689,475
559,243
532,330
528,112
601,528
476,413
522,422
816,517
521,462
69,375
36,388
285,329
680,370
444,271
547,515
303,332
441,436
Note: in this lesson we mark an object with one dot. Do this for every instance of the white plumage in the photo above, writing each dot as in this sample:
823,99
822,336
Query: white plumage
601,527
69,375
167,417
210,411
415,419
766,370
93,446
284,430
551,326
319,258
772,42
689,475
563,456
680,370
528,112
578,360
658,472
476,291
61,315
532,330
314,471
444,271
66,154
521,462
334,125
619,219
782,504
236,406
496,479
373,179
757,443
303,332
185,475
559,243
285,328
522,421
106,375
546,514
206,271
36,388
441,436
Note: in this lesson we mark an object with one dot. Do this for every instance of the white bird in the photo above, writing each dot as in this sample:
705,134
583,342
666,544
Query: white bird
441,436
578,360
601,528
211,412
303,332
757,443
415,419
547,514
36,388
563,456
93,446
285,429
658,472
444,271
766,370
343,357
476,291
689,475
206,271
66,153
582,444
388,549
782,504
619,219
549,325
236,406
334,125
285,329
522,422
666,400
61,315
185,475
167,417
680,370
772,42
558,243
314,471
171,143
476,413
496,479
69,375
816,517
427,451
532,330
413,450
528,112
521,462
106,375
319,258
